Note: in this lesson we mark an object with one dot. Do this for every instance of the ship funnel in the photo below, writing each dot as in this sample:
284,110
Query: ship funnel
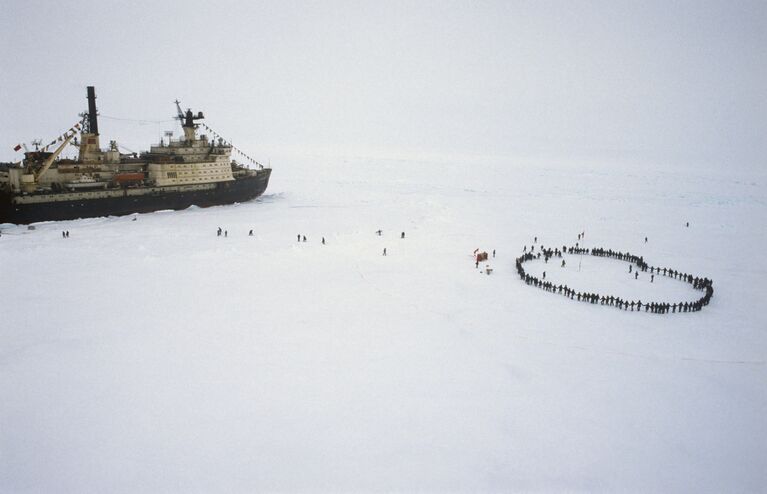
93,123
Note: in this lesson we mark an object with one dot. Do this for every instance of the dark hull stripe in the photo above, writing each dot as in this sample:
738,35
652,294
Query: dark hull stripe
240,190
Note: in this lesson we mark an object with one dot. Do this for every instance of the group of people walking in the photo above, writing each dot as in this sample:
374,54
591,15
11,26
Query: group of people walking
704,284
299,237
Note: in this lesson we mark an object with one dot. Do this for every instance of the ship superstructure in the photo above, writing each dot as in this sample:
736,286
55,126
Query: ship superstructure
190,170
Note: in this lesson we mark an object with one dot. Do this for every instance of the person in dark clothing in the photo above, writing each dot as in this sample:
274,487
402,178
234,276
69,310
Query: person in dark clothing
304,237
630,266
645,240
298,237
250,233
384,251
563,263
226,233
636,275
544,275
379,232
323,240
63,234
652,278
493,252
403,235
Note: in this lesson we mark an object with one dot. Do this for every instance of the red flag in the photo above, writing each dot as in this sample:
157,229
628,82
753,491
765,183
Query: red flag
17,147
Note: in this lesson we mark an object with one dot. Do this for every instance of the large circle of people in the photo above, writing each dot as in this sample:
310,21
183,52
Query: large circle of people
704,284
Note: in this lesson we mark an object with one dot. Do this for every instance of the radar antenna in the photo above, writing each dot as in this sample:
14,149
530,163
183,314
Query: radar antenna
187,118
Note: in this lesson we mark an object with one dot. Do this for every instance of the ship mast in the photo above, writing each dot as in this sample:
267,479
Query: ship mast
187,120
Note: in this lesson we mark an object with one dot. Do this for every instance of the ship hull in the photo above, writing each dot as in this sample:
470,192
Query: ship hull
129,201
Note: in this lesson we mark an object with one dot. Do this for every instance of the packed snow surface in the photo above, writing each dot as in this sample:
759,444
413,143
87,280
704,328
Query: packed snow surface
146,353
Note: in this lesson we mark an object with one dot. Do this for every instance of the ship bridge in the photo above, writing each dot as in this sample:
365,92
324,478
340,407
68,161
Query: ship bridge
190,160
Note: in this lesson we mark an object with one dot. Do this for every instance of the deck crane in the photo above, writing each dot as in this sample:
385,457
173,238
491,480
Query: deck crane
50,159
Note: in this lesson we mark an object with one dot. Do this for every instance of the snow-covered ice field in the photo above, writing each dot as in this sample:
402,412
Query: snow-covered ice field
154,356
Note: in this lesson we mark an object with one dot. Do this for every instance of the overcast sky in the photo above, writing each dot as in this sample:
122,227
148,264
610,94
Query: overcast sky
675,82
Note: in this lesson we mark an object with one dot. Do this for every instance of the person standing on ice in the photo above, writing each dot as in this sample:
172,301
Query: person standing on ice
379,232
630,268
544,275
298,237
563,263
304,237
403,235
250,233
226,233
323,240
535,240
384,251
645,240
636,275
493,252
652,277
